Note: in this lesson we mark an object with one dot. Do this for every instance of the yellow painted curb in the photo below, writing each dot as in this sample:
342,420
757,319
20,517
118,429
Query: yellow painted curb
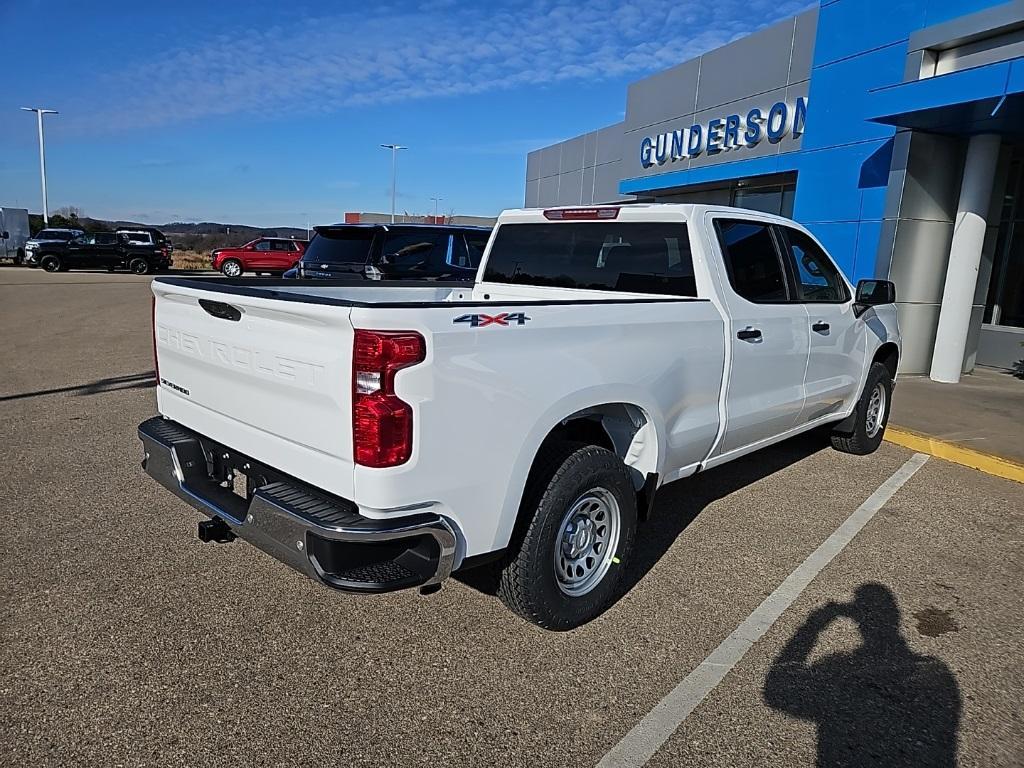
933,446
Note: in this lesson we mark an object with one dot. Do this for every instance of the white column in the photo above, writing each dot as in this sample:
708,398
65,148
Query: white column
964,258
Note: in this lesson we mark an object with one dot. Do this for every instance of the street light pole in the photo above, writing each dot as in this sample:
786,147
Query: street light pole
42,154
394,173
436,201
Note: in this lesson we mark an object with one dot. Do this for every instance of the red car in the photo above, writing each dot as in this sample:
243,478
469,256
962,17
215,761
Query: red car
274,255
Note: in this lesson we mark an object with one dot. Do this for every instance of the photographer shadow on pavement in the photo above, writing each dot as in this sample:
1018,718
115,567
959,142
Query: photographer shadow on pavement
879,705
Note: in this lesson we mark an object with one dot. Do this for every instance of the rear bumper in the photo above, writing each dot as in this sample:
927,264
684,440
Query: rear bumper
319,535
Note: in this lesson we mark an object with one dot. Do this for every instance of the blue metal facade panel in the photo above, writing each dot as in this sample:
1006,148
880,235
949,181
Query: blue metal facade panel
849,28
860,56
840,98
843,167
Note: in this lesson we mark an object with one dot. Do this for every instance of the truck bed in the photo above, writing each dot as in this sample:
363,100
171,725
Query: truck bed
267,364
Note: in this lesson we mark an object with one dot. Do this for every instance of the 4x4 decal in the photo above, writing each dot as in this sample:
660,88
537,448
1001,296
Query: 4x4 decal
505,318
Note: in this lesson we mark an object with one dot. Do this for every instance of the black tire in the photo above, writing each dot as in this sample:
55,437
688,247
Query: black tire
868,429
20,258
139,266
228,271
52,264
563,477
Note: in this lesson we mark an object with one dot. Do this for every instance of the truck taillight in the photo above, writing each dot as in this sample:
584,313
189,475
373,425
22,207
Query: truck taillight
152,312
381,421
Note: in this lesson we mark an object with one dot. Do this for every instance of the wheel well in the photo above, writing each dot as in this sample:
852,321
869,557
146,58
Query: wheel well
888,355
623,429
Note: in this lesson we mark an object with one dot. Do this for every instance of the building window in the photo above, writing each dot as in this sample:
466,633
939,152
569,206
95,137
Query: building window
773,198
1005,303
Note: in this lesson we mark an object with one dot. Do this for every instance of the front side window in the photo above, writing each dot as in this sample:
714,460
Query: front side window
817,278
458,256
263,245
752,260
634,257
476,242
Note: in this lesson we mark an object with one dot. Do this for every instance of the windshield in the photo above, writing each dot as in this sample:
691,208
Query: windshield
339,246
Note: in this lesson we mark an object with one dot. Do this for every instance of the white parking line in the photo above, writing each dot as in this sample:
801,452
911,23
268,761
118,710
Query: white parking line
647,736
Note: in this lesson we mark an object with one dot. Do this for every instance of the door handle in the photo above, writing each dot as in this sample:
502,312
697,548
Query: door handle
820,327
749,334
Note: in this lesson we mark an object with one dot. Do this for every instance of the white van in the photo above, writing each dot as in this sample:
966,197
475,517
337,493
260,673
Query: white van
13,234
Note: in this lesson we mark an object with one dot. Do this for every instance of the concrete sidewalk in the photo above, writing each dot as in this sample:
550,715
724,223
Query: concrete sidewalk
983,413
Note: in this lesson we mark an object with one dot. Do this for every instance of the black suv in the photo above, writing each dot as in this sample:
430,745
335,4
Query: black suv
394,252
104,250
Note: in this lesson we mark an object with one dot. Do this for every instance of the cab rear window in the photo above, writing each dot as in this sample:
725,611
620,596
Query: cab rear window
633,257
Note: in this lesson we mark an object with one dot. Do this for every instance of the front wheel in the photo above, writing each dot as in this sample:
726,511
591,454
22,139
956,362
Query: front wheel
231,268
581,522
870,416
52,264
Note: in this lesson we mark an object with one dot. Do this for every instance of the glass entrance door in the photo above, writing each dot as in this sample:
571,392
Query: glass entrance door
1005,303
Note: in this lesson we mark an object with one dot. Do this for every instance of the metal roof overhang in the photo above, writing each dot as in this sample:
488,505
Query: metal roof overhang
986,99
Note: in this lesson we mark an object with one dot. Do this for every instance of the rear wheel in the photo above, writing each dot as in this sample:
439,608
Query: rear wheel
20,258
568,560
52,264
139,266
871,415
231,268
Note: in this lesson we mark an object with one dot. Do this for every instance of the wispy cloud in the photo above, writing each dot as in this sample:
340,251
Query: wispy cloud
518,147
386,54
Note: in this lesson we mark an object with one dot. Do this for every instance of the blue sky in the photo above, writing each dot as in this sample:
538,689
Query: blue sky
265,112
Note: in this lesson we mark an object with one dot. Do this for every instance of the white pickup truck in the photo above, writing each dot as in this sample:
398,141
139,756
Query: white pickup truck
376,437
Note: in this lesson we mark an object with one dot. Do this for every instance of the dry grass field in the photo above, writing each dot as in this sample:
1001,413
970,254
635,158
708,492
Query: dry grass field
191,260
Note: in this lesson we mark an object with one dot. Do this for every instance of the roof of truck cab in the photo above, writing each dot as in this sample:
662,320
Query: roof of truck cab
640,212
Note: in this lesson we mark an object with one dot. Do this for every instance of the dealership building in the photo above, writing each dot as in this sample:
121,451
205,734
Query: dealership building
892,129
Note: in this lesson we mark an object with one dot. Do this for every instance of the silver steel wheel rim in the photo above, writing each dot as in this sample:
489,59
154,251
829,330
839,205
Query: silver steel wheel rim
876,410
587,539
232,269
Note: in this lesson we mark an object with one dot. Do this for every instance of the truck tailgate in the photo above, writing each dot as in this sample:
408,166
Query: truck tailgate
271,378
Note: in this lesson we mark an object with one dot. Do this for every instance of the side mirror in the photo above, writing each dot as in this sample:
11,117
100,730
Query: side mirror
4,235
871,293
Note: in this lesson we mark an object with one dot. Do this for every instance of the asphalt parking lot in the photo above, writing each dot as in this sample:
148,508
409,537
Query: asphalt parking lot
125,641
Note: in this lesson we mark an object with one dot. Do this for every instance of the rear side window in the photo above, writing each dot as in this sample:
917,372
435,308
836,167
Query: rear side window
339,246
817,278
634,257
408,250
752,260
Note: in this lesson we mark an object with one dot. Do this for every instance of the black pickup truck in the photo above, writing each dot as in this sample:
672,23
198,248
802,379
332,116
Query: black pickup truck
104,250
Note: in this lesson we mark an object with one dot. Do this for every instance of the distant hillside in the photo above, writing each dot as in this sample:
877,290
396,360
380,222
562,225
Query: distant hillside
201,237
